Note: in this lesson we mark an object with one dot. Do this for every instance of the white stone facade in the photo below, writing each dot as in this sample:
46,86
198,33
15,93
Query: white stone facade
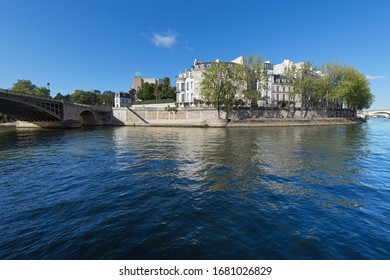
188,82
274,92
279,68
122,99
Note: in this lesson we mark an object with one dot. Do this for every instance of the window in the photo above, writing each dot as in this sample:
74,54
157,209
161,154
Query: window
188,85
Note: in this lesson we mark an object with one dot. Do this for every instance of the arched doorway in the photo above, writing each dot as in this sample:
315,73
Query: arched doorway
87,118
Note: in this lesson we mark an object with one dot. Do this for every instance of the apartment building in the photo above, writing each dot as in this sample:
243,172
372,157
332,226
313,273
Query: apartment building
274,91
188,88
281,92
188,83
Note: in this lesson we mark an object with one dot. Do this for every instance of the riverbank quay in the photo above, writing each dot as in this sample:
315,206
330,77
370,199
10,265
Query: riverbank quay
293,122
208,117
49,125
202,117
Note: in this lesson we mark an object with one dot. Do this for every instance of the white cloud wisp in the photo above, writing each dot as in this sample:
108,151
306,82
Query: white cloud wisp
369,77
166,41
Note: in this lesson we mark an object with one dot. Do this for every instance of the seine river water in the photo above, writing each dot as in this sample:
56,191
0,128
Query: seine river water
319,192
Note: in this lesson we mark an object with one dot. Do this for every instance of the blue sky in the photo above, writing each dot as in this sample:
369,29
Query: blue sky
102,44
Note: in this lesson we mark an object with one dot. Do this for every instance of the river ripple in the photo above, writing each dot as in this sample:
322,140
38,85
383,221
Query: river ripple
320,192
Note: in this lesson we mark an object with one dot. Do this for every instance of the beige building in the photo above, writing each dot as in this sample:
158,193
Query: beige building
188,89
281,92
274,91
138,81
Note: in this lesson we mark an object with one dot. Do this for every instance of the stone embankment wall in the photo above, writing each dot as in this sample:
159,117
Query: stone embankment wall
258,113
138,116
202,117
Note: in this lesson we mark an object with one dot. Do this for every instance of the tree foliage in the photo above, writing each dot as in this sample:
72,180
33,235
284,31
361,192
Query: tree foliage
107,98
93,97
348,86
253,77
303,83
334,84
146,92
26,86
60,97
150,91
219,85
166,90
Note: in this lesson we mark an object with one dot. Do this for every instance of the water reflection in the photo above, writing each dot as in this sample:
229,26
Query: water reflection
290,161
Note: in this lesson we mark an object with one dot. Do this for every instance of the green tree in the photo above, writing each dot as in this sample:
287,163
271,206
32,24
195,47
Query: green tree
254,78
171,93
165,88
107,98
156,91
167,91
342,84
43,91
26,86
302,81
332,75
59,96
354,89
219,85
85,97
147,92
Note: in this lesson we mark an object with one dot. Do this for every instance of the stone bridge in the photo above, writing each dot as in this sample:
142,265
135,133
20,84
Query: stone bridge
375,113
47,112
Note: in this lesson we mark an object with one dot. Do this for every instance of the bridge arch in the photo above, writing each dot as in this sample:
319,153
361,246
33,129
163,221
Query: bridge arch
30,108
88,118
381,113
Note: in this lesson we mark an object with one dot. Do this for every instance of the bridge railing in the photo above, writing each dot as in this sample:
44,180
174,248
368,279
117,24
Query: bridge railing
22,94
94,107
33,96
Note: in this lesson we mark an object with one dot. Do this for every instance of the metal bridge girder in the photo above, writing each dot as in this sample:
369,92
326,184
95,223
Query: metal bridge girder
27,107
